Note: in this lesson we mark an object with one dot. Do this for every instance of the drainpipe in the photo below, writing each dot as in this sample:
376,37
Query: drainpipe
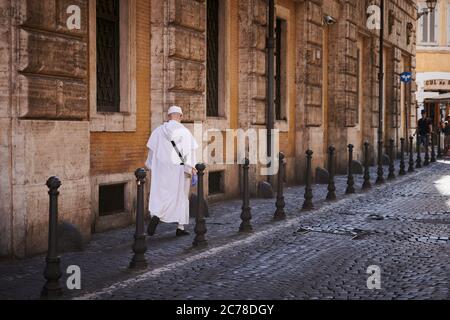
380,178
270,77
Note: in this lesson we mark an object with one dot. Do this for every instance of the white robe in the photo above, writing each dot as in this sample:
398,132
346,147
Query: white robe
169,191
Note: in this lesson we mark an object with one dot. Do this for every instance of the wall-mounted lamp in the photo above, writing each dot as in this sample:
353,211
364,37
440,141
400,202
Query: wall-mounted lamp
431,6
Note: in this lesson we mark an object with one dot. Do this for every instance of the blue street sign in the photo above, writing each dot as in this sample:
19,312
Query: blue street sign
406,77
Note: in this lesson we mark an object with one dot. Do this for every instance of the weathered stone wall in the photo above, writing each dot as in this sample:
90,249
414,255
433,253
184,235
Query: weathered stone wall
45,103
117,154
5,130
44,88
342,126
178,58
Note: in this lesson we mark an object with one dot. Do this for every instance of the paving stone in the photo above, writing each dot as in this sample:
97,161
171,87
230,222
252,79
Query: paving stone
402,226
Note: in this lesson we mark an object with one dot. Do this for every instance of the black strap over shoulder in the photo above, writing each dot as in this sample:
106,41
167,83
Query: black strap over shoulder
178,152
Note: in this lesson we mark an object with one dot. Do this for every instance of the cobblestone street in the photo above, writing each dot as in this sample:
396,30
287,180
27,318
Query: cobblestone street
402,227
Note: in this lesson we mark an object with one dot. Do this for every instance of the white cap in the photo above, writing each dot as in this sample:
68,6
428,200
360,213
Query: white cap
175,109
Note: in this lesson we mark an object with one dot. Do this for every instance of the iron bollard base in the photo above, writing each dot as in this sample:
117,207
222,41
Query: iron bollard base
280,215
245,229
52,288
199,244
139,261
367,185
138,265
350,190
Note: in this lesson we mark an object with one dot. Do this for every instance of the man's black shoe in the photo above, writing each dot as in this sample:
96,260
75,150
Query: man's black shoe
181,233
154,221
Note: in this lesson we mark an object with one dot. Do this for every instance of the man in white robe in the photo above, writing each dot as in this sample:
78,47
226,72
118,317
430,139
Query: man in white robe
171,159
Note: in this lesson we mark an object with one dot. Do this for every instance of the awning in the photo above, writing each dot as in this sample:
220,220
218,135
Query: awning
441,98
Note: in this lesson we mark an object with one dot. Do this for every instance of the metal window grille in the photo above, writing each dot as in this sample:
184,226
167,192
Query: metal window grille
108,56
212,63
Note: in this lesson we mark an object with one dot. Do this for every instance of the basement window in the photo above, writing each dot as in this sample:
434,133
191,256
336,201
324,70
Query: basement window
215,182
111,199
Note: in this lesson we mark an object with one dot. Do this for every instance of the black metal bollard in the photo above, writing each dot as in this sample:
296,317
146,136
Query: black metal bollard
391,175
366,185
380,170
419,154
427,151
350,178
52,273
331,196
280,214
402,171
200,223
433,149
246,215
308,204
139,261
411,155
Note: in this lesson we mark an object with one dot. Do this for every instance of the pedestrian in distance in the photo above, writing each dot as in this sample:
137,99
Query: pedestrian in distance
446,131
424,128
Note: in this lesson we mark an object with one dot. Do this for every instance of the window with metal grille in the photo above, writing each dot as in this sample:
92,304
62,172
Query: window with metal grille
280,69
212,60
108,56
111,199
215,182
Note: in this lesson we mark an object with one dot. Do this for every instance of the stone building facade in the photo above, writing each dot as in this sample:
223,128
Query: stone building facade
433,61
83,83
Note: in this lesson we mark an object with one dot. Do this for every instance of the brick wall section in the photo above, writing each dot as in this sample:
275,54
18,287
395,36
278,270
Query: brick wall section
124,152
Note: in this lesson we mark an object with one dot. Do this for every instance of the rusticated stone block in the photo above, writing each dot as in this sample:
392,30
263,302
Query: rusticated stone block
186,44
5,69
258,37
315,34
52,54
179,42
259,107
188,13
313,115
351,49
42,97
52,15
314,12
192,104
39,14
315,75
62,16
260,12
258,62
259,85
350,118
197,48
351,31
314,96
185,75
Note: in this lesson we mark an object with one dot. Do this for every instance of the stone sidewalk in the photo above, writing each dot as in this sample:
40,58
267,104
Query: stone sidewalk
104,263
